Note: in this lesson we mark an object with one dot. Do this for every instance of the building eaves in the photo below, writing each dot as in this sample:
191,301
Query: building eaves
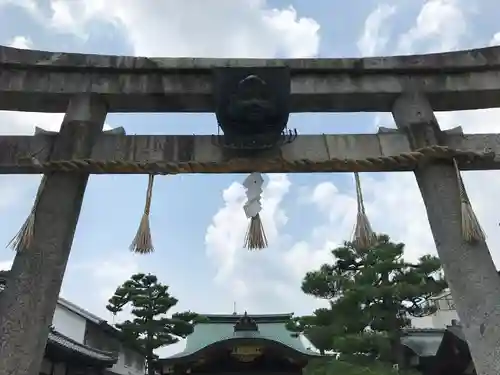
424,342
58,339
409,331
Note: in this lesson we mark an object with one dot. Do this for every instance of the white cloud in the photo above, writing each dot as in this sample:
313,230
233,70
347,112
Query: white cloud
21,42
393,200
224,237
266,280
15,188
375,34
102,275
235,28
495,41
29,5
395,205
251,28
440,26
24,123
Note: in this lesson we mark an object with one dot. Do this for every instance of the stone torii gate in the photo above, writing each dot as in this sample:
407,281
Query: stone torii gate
87,87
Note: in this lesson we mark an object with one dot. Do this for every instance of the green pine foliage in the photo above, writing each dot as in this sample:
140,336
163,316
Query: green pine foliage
151,328
372,293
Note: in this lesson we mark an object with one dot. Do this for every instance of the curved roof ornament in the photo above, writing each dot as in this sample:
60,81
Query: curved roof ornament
246,324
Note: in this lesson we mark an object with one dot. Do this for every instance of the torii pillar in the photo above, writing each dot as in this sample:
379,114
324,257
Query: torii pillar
30,297
468,268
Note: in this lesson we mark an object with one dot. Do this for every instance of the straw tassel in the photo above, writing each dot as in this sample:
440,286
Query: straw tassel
364,237
24,238
471,229
255,237
142,242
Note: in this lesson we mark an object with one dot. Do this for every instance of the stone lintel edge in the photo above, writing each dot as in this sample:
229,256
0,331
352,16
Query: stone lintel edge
458,61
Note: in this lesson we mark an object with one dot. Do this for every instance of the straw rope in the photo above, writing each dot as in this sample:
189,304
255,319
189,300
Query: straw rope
364,237
471,229
403,161
142,242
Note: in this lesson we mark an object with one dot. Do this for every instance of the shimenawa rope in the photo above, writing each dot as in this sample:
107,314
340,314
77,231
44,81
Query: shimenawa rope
406,159
142,243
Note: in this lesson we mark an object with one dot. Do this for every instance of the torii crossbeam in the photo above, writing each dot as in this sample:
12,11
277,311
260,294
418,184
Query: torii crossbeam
174,154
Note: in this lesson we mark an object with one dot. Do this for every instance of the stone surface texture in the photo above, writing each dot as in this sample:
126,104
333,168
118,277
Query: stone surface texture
44,81
317,149
468,268
29,300
47,82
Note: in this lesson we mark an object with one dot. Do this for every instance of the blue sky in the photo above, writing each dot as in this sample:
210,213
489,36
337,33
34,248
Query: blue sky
197,220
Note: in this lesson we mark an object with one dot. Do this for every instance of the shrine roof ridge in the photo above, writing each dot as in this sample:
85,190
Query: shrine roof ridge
258,318
471,60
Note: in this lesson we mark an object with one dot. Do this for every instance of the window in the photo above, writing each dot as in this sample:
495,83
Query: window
97,338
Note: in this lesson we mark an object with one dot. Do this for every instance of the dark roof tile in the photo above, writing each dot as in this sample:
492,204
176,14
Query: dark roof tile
56,338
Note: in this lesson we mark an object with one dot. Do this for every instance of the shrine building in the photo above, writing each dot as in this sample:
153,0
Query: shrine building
226,344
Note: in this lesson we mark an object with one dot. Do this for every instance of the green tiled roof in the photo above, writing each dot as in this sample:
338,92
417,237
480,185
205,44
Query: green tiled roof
221,328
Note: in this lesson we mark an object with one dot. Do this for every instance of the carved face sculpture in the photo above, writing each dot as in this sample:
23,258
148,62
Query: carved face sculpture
252,106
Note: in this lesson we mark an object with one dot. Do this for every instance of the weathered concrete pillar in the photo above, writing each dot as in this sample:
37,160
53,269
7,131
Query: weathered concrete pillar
29,300
469,269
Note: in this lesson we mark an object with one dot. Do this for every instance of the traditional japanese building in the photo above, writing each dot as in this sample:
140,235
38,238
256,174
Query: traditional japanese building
243,344
66,356
81,343
436,351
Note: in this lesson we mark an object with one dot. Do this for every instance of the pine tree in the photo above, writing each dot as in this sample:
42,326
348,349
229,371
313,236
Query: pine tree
372,294
150,328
